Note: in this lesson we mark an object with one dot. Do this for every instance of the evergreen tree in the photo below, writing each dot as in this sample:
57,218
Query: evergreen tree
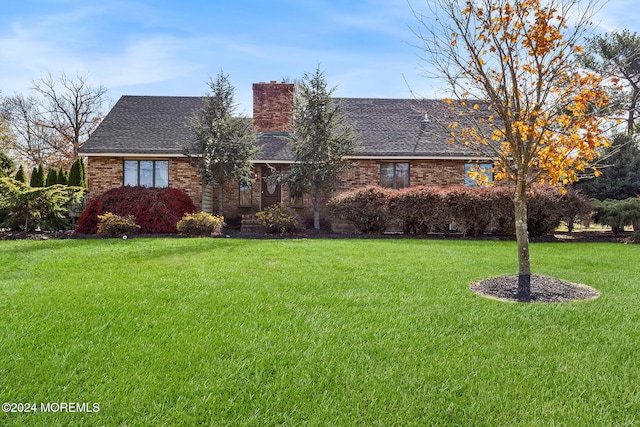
224,143
6,165
75,175
62,176
20,175
620,178
52,177
83,172
616,55
321,140
37,177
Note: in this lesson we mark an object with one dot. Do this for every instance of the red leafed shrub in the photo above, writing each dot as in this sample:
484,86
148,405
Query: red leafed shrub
468,208
471,210
366,208
577,208
502,209
157,210
544,209
420,209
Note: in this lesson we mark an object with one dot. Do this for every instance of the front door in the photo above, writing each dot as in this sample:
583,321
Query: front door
271,192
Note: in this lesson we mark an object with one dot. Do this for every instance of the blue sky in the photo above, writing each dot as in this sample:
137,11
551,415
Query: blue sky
159,47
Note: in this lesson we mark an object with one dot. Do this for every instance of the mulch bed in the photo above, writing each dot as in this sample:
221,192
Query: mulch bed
543,289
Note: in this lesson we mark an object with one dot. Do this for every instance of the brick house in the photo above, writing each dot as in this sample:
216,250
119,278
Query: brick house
141,142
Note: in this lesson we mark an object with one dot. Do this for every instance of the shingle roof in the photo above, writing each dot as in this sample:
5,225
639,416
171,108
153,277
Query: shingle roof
386,128
145,125
403,127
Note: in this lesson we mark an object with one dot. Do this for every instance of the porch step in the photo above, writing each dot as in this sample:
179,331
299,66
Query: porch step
250,224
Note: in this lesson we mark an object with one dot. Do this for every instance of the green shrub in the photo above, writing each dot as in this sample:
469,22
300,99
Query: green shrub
277,219
617,213
111,224
200,224
26,208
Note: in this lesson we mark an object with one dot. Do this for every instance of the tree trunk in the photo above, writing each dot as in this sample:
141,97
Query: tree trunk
220,199
316,209
632,110
522,238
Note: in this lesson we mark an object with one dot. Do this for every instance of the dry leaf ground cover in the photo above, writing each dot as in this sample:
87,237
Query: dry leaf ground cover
368,332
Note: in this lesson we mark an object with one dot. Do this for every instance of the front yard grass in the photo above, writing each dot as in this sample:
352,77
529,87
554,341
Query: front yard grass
169,332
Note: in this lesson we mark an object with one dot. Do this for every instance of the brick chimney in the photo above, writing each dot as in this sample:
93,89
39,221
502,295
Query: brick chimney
273,107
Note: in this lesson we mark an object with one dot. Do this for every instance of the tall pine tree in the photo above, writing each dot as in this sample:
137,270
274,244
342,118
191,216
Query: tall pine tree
62,176
620,178
52,177
224,143
76,175
37,177
20,175
321,140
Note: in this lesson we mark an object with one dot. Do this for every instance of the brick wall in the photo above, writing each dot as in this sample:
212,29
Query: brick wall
273,107
184,177
442,173
232,192
105,173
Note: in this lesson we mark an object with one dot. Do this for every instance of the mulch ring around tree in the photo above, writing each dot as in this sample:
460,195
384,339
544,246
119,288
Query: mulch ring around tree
544,289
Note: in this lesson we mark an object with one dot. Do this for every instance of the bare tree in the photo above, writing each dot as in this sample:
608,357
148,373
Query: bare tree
31,141
6,137
71,108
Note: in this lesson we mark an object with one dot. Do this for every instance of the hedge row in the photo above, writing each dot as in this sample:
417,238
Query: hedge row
471,210
156,210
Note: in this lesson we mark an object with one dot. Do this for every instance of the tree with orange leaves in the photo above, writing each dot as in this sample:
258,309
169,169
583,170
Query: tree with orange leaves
519,57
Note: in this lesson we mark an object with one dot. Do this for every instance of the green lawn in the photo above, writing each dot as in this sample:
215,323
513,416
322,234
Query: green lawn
371,332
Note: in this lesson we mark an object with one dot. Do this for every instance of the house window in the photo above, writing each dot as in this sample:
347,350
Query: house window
244,197
146,173
484,169
394,175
